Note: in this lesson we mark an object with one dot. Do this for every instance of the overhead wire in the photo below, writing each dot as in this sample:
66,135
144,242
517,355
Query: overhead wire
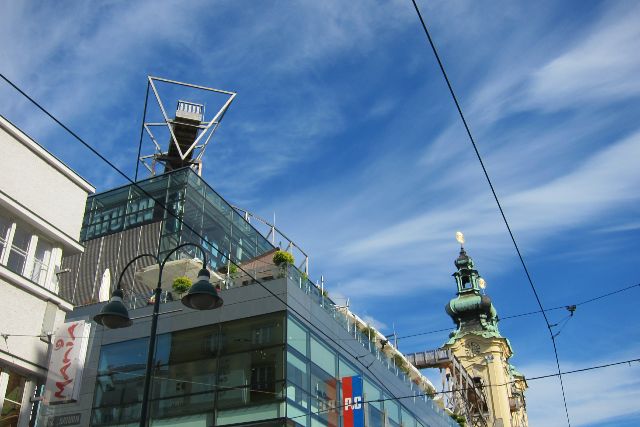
393,398
529,313
542,310
170,212
459,389
495,196
103,158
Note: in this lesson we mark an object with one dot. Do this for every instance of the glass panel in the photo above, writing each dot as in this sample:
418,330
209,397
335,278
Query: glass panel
297,336
120,379
249,413
19,248
323,357
237,367
407,419
392,409
184,421
296,415
372,393
393,423
41,262
346,369
298,396
5,225
257,332
324,394
297,371
375,416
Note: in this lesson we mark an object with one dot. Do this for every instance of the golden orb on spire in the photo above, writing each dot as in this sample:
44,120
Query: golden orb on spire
460,237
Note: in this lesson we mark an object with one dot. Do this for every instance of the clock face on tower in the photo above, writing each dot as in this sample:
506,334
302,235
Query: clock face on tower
472,348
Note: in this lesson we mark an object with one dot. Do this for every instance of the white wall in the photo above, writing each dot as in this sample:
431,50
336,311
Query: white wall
40,182
23,314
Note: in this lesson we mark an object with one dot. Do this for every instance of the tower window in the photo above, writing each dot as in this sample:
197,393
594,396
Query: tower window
465,282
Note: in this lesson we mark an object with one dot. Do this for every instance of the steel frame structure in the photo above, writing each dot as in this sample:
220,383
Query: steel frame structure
464,394
198,147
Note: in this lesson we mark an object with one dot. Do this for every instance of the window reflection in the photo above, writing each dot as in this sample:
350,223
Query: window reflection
233,365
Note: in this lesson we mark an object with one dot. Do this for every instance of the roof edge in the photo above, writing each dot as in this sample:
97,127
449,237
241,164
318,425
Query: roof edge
45,155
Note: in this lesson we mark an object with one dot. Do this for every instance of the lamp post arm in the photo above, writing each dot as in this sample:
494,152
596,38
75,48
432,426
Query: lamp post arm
131,262
174,250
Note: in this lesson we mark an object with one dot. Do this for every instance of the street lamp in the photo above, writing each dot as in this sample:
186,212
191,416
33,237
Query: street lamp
201,296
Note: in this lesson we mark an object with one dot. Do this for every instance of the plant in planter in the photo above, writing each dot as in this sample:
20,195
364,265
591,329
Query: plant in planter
181,284
283,258
232,269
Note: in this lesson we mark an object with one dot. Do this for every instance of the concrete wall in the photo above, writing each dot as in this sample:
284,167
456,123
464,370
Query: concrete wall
40,193
24,314
41,182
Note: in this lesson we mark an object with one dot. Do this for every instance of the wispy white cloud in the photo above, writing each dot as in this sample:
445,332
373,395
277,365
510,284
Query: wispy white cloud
593,397
601,66
603,183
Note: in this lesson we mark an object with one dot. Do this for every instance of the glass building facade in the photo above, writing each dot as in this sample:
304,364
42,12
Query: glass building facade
197,214
263,370
274,354
220,374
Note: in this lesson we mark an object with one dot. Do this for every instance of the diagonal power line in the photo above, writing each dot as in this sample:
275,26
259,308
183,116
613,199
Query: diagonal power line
529,313
495,196
187,226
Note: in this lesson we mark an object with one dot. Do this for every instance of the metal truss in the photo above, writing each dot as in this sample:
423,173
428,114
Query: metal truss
205,129
464,394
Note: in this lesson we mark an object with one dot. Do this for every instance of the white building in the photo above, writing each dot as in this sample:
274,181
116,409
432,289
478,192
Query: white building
42,202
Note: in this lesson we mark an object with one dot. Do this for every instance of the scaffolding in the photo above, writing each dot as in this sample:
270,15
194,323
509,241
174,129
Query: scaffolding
464,393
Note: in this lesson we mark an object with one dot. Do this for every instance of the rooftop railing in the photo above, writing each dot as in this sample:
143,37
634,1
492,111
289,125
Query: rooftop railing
268,272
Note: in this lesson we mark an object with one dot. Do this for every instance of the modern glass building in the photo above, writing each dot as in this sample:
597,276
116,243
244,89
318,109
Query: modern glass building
274,354
126,221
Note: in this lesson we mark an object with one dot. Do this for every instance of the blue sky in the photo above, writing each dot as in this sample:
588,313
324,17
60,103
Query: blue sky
344,128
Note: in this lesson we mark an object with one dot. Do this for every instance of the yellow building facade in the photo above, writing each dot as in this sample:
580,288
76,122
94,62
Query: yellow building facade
483,351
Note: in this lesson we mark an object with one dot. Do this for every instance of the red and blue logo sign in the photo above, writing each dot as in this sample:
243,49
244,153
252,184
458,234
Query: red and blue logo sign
352,401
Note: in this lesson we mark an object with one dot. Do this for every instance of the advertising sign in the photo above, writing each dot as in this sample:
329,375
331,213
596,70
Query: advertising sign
352,401
70,343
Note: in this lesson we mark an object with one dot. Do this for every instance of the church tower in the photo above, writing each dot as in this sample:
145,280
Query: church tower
480,347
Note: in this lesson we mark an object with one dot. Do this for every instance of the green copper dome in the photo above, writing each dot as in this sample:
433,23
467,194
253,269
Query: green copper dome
471,310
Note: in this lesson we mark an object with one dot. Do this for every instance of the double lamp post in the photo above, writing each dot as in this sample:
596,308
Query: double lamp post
201,296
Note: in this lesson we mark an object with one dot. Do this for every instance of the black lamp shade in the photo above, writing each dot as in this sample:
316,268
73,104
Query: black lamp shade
202,295
114,315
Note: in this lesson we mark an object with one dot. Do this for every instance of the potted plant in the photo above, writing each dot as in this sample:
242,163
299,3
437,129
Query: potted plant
283,259
231,269
181,284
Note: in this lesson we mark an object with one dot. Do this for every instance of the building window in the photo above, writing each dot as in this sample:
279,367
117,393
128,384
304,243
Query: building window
5,227
18,250
12,401
41,260
27,254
